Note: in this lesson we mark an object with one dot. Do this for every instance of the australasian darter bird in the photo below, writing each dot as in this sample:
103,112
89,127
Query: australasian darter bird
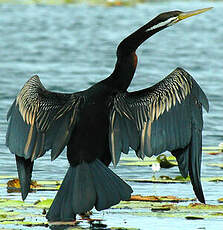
99,123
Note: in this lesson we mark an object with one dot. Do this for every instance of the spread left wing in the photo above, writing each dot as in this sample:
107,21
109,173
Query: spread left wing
166,116
40,120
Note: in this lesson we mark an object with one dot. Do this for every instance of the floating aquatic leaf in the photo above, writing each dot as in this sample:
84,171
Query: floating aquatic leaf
217,214
49,182
26,223
159,198
13,203
204,206
11,219
163,160
171,210
2,216
217,148
133,205
5,214
213,150
160,209
181,178
217,179
216,165
43,203
36,224
162,179
14,185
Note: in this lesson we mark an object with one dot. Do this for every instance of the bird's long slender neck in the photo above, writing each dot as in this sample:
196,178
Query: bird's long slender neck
126,57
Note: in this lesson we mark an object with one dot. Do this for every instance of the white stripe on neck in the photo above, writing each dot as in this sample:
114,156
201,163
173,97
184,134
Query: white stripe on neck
161,24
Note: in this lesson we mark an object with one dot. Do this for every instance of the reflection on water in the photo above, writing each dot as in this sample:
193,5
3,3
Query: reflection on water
73,46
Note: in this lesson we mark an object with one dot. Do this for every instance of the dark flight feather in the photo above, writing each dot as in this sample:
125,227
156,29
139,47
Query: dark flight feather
166,116
38,114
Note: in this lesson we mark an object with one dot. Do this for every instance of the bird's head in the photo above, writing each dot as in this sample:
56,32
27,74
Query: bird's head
160,22
166,19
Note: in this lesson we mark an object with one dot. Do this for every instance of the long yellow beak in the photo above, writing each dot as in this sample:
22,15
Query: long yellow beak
191,13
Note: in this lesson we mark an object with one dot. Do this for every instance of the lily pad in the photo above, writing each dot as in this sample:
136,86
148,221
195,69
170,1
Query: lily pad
43,204
26,223
162,179
200,206
217,148
213,150
160,209
159,198
217,214
14,186
49,182
216,165
6,214
6,203
11,219
163,160
217,179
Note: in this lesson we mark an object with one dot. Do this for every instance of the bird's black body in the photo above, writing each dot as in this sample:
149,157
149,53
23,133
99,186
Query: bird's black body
89,138
99,123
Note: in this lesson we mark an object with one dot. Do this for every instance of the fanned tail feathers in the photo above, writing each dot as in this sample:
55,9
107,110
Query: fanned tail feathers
85,186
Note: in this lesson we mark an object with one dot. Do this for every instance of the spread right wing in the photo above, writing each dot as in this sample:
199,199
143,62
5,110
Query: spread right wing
166,116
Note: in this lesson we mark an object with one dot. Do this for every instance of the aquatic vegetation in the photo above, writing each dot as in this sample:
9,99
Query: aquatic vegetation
215,165
32,214
14,185
191,211
159,198
7,203
213,150
43,203
163,160
162,180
